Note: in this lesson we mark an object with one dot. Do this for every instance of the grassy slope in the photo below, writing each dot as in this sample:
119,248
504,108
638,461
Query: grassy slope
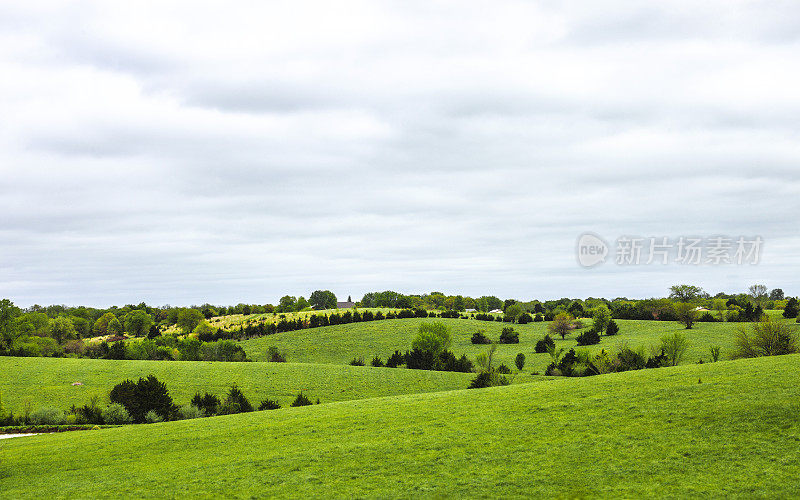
647,433
341,343
48,381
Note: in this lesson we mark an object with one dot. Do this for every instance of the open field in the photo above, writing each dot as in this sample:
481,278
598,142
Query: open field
341,343
48,381
635,434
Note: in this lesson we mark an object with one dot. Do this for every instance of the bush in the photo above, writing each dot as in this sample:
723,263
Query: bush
520,361
479,337
503,369
359,361
707,317
207,403
139,398
542,345
189,412
628,359
538,318
115,413
395,360
151,417
301,400
46,416
674,347
487,379
524,319
715,350
770,338
432,338
268,404
377,362
509,336
792,308
274,355
589,337
612,328
235,402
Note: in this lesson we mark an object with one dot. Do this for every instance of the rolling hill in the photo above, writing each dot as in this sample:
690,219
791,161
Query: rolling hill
729,429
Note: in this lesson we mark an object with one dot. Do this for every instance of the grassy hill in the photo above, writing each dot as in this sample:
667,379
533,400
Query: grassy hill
728,429
341,343
48,381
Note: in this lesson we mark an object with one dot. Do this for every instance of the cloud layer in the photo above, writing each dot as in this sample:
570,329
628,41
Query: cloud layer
234,153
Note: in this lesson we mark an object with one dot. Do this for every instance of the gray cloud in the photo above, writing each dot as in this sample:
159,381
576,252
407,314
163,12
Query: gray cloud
178,154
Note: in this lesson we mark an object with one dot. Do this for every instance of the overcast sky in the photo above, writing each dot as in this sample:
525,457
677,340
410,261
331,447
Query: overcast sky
235,152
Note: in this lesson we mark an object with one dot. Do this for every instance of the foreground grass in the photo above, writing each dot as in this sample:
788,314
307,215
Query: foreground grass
48,381
342,343
651,433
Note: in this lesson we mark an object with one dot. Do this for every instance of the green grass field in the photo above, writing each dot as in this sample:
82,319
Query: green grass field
728,430
48,381
341,343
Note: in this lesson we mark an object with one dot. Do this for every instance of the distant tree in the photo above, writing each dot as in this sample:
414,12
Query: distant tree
612,328
685,293
323,299
208,403
520,361
101,325
188,319
62,329
115,327
301,304
601,316
792,308
8,329
776,294
513,311
349,299
203,330
758,293
576,309
301,400
137,323
432,338
686,314
561,325
287,304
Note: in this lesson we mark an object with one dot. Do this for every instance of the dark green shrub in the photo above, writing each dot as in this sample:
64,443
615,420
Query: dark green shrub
268,404
707,317
509,336
377,362
235,402
479,337
589,337
208,403
524,319
612,328
538,318
503,369
359,361
630,360
274,355
520,361
542,345
792,308
148,394
395,360
657,361
301,400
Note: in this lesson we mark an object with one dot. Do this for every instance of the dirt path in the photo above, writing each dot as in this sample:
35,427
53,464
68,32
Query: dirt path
7,436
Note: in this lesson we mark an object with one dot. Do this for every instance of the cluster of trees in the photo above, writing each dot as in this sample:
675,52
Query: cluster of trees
430,350
146,400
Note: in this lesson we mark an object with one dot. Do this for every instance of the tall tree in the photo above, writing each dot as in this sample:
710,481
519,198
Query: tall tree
685,293
8,330
137,323
758,293
322,299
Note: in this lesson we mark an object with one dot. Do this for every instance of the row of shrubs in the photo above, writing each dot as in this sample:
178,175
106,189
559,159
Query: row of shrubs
144,401
419,359
507,336
167,347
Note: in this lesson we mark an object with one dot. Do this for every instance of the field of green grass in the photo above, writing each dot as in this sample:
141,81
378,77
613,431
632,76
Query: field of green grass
339,344
728,430
48,381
